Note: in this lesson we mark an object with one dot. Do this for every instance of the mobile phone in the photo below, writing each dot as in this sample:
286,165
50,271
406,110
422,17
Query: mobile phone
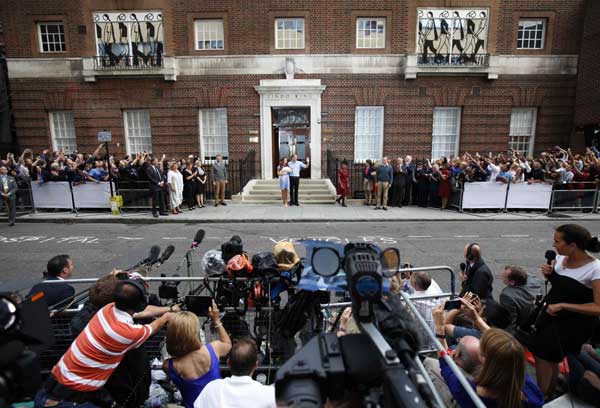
198,304
452,304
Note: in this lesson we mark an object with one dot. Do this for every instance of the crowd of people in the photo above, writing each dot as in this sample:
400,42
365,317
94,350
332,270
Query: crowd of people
491,337
429,183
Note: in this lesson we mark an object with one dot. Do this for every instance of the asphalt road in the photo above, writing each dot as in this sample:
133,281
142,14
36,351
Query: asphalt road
97,248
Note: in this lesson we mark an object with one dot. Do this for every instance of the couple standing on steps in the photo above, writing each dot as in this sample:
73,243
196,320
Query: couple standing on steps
289,178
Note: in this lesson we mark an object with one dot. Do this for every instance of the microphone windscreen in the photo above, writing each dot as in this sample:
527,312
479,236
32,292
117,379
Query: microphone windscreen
199,236
550,255
167,253
154,253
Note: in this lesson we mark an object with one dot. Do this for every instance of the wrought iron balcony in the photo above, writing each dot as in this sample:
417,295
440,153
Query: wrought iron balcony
127,63
453,60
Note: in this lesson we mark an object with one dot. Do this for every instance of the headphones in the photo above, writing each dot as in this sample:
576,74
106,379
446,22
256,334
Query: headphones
470,256
143,303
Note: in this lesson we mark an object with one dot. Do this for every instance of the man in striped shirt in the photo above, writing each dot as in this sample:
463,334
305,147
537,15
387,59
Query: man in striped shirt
80,374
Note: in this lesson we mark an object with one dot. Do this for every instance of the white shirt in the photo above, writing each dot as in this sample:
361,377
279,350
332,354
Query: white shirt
584,274
494,170
296,166
236,392
425,306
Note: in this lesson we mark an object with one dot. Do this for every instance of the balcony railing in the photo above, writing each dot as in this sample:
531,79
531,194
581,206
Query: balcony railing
453,60
127,63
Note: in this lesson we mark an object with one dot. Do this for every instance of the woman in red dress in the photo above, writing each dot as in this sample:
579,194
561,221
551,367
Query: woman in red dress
342,184
445,185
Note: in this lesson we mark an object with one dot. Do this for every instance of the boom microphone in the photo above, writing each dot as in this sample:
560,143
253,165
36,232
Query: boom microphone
198,238
165,255
550,256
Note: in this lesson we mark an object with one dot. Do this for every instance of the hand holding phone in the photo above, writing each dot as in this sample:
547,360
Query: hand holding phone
452,304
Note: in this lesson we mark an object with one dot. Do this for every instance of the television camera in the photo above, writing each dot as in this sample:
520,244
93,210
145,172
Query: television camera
365,364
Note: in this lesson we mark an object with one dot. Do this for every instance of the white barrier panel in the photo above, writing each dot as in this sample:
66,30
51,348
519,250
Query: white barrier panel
484,195
53,194
523,195
92,195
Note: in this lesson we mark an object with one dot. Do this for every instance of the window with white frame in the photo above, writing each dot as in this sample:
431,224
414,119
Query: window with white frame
531,34
522,130
446,132
209,34
370,33
289,33
368,133
213,133
62,131
138,134
52,37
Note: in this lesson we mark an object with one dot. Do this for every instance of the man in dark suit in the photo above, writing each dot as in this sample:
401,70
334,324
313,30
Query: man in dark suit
59,267
477,277
8,189
155,177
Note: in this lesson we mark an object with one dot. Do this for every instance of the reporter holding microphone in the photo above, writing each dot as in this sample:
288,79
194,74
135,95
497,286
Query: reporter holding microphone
573,302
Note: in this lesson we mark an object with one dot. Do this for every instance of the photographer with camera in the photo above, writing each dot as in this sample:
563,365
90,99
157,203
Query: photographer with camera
194,365
502,381
81,373
571,308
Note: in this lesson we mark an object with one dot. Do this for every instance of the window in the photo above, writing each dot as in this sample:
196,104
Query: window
368,133
52,37
522,130
137,131
62,130
129,40
209,34
446,130
289,33
213,133
531,34
370,33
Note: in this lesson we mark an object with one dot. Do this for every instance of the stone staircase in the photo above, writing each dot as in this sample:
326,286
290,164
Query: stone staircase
320,191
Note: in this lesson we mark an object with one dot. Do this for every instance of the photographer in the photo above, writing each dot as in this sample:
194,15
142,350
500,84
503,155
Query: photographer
502,381
194,365
573,303
81,373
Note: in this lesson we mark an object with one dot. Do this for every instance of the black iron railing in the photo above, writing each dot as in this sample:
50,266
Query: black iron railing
117,63
453,60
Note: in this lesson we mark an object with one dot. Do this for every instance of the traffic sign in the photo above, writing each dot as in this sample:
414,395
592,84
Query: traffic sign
104,136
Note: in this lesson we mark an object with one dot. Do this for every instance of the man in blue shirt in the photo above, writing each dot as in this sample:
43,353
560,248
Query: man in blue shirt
98,173
385,176
296,166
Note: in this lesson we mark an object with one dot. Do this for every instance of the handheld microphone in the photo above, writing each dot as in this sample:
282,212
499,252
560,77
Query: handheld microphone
198,238
463,266
550,256
165,255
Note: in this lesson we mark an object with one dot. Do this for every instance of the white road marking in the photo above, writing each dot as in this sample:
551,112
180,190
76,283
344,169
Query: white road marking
466,236
175,238
419,236
514,236
130,238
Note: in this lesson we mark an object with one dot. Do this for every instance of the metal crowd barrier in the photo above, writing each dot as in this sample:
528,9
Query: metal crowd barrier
573,196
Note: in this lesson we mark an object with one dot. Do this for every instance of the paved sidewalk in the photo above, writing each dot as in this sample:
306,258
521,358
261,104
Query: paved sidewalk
270,213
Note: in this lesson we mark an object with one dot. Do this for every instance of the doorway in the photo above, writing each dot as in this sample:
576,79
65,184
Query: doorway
291,135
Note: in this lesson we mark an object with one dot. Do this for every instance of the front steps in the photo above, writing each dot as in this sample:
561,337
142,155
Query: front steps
312,191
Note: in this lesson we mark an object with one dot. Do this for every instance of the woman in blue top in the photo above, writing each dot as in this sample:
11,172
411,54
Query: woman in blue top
194,365
502,381
283,171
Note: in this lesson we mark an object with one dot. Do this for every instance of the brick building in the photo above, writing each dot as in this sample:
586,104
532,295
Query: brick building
360,79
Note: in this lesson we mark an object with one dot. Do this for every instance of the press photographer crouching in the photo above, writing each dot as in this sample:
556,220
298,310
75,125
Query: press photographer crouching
82,372
567,317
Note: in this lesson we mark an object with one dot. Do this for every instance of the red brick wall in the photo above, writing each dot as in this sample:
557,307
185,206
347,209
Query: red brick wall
250,22
587,106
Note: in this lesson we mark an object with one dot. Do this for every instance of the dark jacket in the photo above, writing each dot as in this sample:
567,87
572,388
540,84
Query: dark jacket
479,280
385,173
519,301
153,178
53,292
